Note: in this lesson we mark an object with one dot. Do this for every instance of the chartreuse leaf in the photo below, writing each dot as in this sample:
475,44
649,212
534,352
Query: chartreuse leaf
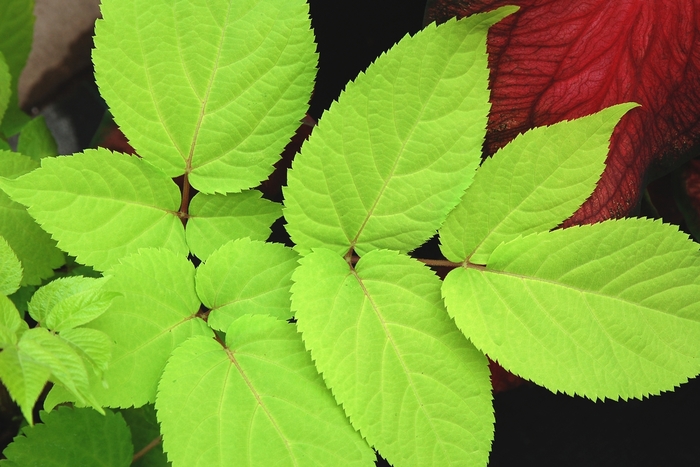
246,277
10,269
216,219
94,347
69,437
5,83
605,310
531,185
392,157
144,430
35,139
213,89
416,389
66,366
68,302
156,312
102,206
23,377
33,246
11,324
258,401
17,26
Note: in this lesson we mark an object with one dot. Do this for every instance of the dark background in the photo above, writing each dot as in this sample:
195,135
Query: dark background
533,426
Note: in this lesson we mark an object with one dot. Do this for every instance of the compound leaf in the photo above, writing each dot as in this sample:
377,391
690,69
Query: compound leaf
17,26
246,277
259,400
35,139
382,169
68,302
531,185
70,437
10,269
216,219
156,312
610,310
33,246
102,206
213,89
416,389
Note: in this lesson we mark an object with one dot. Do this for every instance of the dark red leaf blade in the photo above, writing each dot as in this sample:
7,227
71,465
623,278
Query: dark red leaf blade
558,59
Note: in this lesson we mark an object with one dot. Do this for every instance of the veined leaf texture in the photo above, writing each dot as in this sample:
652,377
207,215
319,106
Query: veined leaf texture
256,353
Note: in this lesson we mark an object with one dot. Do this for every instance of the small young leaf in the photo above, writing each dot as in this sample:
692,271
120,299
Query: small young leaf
34,247
393,156
35,139
10,269
5,83
259,400
246,277
416,389
11,324
17,26
213,89
156,312
102,206
24,379
66,366
610,310
71,437
68,302
531,185
216,219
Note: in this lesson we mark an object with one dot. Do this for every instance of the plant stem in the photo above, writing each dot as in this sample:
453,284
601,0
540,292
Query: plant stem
184,206
428,262
147,448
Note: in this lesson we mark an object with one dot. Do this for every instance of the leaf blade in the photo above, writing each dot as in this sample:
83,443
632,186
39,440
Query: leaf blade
102,206
70,436
246,277
366,178
157,310
262,394
545,175
394,360
598,319
33,246
216,219
243,70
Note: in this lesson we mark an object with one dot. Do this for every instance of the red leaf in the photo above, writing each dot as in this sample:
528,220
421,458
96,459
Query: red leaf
560,59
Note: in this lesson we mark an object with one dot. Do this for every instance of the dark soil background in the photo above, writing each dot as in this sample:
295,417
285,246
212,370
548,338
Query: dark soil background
533,426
